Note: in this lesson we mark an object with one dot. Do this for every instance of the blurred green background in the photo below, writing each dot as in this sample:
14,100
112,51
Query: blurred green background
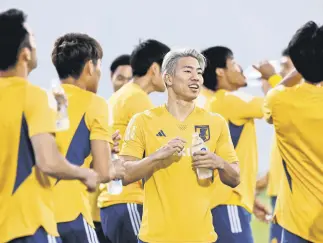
261,230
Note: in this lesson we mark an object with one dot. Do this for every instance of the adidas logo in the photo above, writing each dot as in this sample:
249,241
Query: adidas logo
161,134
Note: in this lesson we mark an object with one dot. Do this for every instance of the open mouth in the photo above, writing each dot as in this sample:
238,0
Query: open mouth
194,86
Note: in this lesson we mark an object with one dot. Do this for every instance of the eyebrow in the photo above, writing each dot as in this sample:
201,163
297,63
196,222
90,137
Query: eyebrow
190,67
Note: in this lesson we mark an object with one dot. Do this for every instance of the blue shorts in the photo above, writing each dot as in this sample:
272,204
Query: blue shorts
40,236
121,222
77,231
275,229
288,237
232,224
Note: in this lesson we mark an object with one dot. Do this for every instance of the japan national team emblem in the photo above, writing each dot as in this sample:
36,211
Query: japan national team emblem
203,131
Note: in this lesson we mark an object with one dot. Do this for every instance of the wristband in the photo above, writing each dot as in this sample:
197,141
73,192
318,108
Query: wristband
274,80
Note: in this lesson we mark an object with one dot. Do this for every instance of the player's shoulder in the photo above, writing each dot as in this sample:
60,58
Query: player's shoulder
239,95
36,94
277,92
98,102
34,89
153,112
150,114
208,116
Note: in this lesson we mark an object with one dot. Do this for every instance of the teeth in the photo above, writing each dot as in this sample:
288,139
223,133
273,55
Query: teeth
194,86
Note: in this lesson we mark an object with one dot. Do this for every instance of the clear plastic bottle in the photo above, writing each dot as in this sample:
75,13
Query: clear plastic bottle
115,186
62,120
198,145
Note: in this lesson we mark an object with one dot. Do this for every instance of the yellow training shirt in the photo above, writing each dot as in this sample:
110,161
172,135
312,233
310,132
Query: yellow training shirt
176,206
297,115
204,98
25,193
275,170
240,110
88,115
123,104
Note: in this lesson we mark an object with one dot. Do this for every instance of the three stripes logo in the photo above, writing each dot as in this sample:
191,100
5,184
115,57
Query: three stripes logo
161,134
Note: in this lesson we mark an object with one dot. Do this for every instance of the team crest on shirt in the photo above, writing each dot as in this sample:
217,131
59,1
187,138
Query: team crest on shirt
203,131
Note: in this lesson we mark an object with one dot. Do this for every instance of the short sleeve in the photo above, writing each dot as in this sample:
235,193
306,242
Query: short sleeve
270,100
246,105
40,111
97,118
134,140
224,147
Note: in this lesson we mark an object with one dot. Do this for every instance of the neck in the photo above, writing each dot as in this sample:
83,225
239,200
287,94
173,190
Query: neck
15,72
223,84
76,82
179,108
144,83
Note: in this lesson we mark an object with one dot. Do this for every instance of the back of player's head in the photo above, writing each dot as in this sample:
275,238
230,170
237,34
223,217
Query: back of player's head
306,51
14,36
72,51
145,54
216,57
120,61
172,57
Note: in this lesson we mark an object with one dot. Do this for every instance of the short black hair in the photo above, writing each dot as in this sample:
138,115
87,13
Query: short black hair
145,54
285,52
72,51
306,51
120,61
216,57
13,37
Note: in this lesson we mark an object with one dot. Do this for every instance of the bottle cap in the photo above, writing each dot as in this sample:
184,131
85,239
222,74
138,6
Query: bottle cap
114,156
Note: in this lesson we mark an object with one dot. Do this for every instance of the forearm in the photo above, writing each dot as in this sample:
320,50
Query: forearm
262,183
137,170
63,169
230,174
50,161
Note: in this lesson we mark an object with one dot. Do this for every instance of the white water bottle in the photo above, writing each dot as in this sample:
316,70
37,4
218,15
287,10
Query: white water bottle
62,120
115,186
198,145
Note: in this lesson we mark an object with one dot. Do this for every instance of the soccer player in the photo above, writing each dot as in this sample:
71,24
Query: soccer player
77,59
28,154
207,92
157,147
121,214
273,178
296,113
232,210
121,72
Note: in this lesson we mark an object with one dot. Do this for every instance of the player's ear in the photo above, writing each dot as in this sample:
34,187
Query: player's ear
168,79
154,69
219,72
89,67
24,55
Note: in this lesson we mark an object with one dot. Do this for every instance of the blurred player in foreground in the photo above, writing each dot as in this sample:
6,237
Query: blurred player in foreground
28,150
77,59
232,210
121,214
274,177
121,73
296,113
157,147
